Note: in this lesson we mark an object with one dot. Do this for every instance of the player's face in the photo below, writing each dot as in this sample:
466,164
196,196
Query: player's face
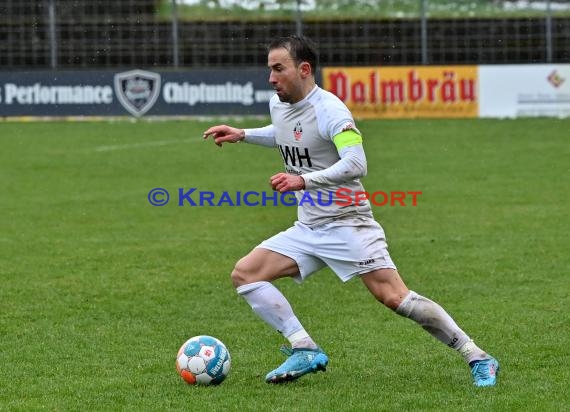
285,76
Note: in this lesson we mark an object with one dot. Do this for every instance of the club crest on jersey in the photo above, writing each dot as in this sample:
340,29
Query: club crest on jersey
298,131
137,90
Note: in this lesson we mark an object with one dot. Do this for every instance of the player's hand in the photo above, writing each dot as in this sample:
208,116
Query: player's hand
224,134
283,182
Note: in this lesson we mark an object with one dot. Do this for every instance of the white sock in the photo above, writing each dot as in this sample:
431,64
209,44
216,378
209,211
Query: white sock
271,306
472,352
434,319
301,339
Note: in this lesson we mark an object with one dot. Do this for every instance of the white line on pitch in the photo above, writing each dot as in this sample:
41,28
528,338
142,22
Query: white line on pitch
110,148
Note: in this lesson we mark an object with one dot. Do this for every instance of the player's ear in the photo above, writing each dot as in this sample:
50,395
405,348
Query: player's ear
305,69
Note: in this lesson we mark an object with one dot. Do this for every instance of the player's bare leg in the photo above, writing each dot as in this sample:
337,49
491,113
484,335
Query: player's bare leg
388,287
252,277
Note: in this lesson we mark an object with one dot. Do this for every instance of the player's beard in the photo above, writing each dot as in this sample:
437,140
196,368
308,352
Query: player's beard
287,97
284,97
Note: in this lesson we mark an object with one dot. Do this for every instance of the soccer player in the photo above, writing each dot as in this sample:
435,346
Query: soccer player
322,150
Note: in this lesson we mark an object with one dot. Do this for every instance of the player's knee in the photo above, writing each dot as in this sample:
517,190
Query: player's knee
240,273
392,300
389,298
387,287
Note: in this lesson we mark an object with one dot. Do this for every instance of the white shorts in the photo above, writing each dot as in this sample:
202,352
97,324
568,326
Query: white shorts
350,247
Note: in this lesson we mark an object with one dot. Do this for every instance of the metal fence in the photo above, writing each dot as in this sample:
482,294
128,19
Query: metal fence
71,34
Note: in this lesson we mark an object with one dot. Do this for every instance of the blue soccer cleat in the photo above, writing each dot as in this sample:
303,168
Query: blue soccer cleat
484,372
300,362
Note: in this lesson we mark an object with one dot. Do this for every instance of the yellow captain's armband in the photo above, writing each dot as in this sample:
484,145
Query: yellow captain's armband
346,139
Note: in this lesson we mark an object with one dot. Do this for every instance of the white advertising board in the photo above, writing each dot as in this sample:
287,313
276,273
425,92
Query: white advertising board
524,90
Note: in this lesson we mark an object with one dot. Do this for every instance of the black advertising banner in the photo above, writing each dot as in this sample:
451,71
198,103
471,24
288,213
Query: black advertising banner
135,93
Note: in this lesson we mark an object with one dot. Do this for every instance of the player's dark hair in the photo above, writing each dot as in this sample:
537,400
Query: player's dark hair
301,49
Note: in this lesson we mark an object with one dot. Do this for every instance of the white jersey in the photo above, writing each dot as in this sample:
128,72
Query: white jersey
304,134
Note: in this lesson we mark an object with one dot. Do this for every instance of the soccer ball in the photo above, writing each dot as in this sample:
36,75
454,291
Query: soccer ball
203,360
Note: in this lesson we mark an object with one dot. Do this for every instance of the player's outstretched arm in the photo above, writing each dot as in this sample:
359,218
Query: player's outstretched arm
224,134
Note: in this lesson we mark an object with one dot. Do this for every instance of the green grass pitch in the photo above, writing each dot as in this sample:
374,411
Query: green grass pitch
99,288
